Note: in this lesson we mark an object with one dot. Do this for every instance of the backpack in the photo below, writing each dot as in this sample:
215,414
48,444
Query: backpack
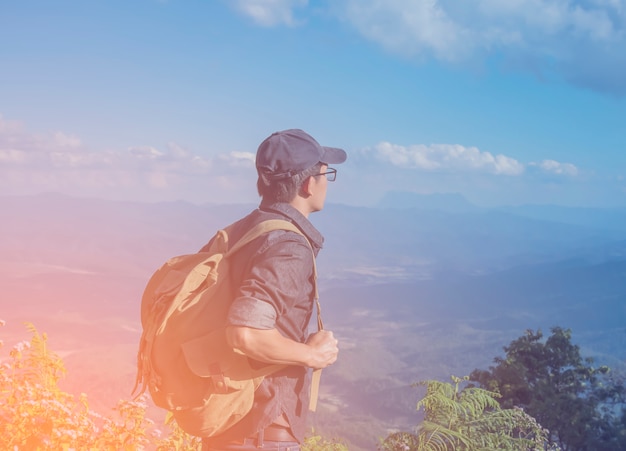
183,360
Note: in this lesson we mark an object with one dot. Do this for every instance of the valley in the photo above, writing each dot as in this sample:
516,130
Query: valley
430,295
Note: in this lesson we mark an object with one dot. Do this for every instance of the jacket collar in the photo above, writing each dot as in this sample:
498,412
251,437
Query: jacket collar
315,237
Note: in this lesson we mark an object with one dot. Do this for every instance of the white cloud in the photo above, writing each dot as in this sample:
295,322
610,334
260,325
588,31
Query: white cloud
8,128
411,27
12,156
56,161
581,40
447,157
32,163
557,168
269,13
239,159
66,141
146,152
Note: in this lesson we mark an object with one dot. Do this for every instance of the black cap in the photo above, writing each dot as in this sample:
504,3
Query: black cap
285,153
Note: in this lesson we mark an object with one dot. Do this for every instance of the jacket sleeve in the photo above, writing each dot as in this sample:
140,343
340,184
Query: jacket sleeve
277,285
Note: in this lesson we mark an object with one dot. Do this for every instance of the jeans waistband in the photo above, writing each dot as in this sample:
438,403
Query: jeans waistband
271,437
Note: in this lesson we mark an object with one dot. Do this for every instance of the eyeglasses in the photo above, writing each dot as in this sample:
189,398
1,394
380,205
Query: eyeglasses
331,174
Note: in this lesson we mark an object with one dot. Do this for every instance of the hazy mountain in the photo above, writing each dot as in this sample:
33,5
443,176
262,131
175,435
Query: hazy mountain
412,293
600,218
410,243
450,202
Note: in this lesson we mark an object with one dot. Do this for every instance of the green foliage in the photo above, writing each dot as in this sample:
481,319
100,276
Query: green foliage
582,406
36,415
467,419
579,403
318,443
400,441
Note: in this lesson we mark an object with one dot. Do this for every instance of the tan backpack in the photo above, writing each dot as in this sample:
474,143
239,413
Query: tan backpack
183,359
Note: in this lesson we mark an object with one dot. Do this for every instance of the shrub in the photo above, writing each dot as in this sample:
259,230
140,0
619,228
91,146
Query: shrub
36,415
467,419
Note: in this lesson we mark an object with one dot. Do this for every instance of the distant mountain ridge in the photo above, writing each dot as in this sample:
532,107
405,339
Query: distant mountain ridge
596,217
57,231
601,218
424,291
449,202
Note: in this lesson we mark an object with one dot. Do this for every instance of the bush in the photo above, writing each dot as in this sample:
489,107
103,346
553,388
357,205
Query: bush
36,415
583,405
467,419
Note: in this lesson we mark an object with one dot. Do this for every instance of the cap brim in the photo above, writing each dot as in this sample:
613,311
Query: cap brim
332,155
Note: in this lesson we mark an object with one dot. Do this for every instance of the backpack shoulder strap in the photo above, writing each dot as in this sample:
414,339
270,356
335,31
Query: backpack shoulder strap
280,224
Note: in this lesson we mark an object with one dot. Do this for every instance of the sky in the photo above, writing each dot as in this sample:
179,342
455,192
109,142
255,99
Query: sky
505,102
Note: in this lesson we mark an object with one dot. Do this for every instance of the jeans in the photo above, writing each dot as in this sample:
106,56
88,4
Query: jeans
250,444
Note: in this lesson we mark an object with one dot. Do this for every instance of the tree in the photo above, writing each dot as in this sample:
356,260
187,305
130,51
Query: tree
550,380
35,414
467,419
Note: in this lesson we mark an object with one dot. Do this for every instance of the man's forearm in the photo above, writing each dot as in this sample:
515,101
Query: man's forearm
270,346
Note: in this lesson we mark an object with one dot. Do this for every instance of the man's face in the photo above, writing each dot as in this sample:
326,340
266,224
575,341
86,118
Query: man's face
320,185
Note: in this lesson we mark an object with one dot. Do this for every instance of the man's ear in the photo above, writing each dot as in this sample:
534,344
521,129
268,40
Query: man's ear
307,187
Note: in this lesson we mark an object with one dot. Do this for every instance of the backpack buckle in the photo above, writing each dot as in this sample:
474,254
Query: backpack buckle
219,382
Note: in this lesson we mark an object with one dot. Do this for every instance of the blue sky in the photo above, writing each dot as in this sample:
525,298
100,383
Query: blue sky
513,102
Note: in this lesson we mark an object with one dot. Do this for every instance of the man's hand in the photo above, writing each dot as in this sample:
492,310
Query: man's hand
270,346
324,349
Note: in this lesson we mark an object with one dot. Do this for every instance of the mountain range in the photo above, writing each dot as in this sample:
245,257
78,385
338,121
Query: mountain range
416,287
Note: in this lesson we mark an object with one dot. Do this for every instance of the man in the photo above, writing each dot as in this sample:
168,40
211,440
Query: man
268,319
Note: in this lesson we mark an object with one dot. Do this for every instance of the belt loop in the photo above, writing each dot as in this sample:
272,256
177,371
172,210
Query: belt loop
259,438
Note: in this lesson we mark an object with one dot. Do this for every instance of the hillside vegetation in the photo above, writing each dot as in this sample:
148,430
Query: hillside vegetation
35,414
411,293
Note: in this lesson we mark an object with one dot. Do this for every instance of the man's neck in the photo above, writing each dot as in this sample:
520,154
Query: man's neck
301,204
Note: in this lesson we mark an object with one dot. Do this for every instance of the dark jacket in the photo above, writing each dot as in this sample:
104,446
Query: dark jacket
274,276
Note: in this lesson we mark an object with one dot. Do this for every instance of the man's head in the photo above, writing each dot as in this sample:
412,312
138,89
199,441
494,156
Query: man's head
289,161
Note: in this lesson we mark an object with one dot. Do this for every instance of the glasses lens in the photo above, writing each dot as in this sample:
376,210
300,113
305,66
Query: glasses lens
331,175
